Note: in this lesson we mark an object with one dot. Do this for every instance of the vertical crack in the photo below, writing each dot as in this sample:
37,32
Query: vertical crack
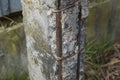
78,40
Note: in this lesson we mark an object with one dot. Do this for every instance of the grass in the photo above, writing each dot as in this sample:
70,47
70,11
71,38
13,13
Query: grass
95,57
11,28
98,49
21,76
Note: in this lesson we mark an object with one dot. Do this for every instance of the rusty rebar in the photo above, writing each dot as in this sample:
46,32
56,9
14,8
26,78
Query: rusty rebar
59,40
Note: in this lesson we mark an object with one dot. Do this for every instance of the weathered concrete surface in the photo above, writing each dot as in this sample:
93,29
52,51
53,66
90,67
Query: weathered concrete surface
40,28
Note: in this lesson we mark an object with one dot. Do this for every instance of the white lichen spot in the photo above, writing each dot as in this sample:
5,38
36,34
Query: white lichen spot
35,54
40,62
42,54
49,12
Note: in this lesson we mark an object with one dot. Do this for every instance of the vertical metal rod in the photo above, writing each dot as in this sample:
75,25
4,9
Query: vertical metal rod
59,40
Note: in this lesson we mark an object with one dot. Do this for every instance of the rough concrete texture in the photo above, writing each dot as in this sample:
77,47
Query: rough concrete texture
40,22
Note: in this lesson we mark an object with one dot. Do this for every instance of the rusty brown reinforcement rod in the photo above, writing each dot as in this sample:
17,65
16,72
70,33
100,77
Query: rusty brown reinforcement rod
59,40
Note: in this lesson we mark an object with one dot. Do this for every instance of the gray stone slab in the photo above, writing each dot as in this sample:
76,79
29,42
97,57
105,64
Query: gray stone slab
9,6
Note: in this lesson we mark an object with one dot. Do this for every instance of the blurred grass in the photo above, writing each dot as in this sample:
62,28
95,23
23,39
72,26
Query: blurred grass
11,29
21,76
95,51
95,57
